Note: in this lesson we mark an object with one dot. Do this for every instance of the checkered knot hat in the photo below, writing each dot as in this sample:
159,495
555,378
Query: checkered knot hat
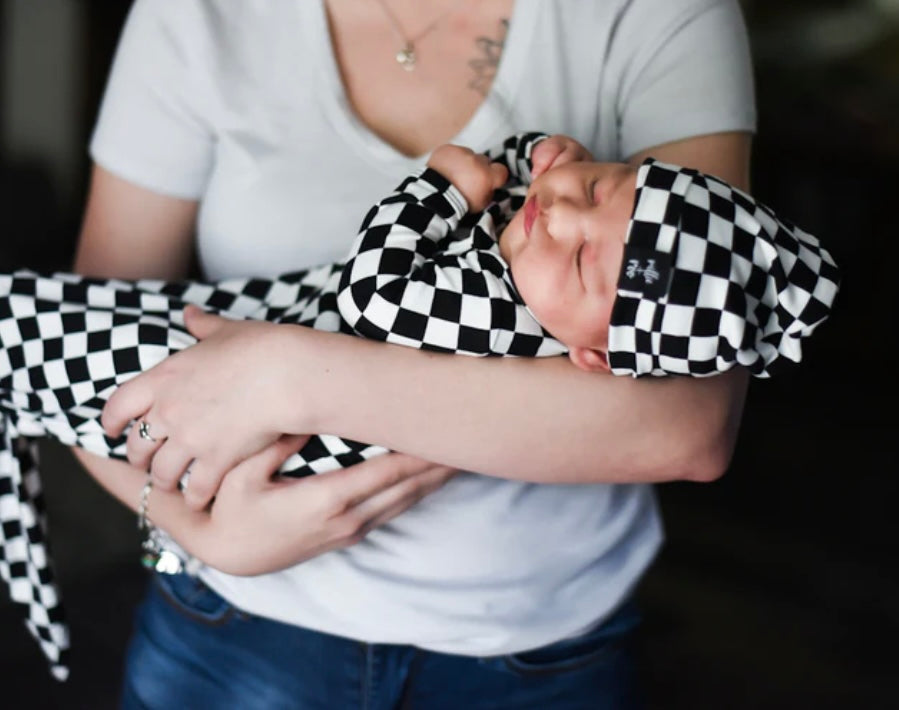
712,279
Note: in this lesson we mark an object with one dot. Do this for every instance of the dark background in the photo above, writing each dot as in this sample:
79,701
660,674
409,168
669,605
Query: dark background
778,585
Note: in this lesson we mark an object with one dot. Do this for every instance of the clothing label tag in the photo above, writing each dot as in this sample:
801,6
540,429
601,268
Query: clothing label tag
645,271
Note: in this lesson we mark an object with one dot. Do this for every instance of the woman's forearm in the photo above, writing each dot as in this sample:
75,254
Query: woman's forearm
539,420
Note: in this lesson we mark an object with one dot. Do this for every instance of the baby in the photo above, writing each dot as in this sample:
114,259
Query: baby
641,270
645,270
637,270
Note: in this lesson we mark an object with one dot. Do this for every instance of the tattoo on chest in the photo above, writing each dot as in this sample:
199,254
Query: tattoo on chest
484,65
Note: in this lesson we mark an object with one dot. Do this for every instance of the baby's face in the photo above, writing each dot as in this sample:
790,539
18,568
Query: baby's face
565,247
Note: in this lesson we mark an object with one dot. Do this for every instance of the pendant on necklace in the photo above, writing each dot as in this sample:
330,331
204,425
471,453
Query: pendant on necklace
406,57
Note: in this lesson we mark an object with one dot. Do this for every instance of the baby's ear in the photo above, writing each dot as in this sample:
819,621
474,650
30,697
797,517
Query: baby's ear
589,359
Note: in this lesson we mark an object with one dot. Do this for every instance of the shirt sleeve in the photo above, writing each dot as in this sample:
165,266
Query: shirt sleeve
154,128
411,280
685,71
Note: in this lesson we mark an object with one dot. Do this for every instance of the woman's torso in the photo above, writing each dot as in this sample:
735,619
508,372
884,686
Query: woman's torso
483,565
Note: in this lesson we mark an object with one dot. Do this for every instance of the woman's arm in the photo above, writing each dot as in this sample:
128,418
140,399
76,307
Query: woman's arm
295,519
536,420
725,155
130,232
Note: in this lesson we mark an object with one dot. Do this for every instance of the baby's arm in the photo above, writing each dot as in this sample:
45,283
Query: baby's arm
412,281
474,175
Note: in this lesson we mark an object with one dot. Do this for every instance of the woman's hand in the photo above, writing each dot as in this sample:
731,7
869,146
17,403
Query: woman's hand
258,524
554,151
206,408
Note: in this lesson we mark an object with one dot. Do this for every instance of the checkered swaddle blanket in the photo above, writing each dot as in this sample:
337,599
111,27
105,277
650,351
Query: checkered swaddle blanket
423,273
68,342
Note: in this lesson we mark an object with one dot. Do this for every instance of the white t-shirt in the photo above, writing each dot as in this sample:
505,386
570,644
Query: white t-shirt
240,105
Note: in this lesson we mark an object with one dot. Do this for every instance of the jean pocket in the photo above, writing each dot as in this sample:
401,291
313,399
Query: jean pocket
190,596
605,643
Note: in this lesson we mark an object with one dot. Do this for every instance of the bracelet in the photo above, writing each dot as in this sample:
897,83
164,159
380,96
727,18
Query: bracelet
155,555
142,522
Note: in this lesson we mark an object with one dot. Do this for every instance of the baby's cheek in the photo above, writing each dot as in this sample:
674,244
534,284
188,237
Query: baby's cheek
510,239
528,286
545,301
602,316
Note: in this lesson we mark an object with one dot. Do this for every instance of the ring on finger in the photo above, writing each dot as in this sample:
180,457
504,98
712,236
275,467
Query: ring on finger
184,480
143,430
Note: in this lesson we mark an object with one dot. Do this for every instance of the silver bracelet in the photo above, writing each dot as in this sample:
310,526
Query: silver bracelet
142,522
155,555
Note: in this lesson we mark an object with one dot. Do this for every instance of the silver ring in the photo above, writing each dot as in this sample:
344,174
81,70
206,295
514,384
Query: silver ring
143,431
184,480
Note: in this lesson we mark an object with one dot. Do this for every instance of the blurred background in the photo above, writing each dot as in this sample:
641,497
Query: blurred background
778,587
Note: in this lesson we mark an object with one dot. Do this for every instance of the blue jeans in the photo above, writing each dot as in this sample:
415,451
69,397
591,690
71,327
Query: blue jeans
192,649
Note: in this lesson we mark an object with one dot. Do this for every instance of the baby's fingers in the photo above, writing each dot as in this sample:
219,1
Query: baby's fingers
543,155
556,150
499,175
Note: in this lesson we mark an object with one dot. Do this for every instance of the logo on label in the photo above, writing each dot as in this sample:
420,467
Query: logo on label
645,271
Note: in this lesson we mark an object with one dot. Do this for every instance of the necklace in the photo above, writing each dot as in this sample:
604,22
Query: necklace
406,57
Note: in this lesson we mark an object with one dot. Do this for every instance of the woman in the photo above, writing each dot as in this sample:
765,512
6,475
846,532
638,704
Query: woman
505,589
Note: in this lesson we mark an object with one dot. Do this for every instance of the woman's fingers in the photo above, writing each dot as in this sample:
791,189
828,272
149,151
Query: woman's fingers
204,482
302,518
136,396
201,324
255,474
386,505
168,465
285,447
349,487
126,404
142,443
362,497
256,471
212,402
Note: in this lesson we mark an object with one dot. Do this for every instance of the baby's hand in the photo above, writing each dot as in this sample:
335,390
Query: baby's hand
554,151
472,173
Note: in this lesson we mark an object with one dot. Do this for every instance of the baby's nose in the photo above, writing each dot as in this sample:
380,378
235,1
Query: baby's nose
566,219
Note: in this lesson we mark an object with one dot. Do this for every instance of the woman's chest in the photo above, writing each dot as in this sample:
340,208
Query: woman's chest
288,204
415,73
296,166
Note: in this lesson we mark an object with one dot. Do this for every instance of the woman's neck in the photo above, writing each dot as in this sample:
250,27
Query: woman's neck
457,47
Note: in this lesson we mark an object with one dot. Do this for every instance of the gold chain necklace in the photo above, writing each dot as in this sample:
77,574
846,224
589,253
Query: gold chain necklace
406,57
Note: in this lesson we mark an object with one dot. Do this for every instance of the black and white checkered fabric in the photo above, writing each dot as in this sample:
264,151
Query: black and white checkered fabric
711,278
423,273
437,282
69,341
